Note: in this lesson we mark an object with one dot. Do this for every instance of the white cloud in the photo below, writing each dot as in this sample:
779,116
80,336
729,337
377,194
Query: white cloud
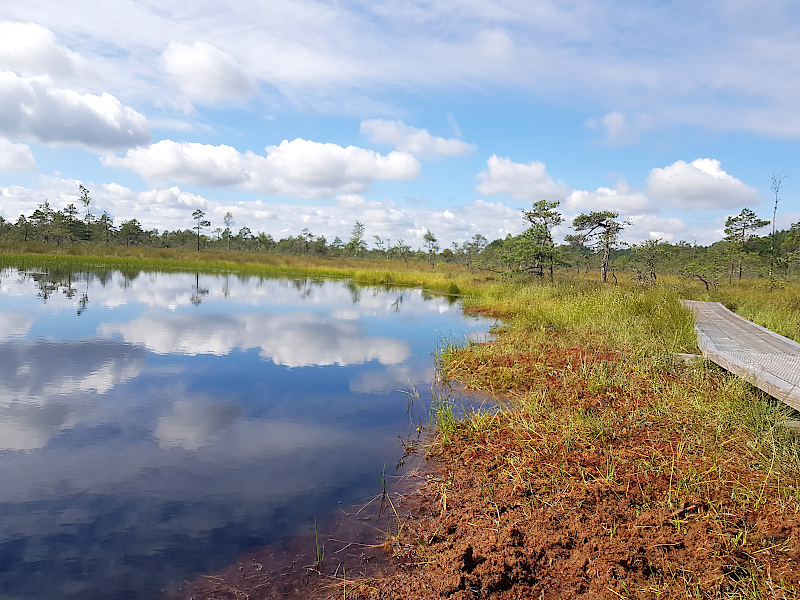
206,74
622,198
297,168
494,220
29,49
321,57
15,157
35,109
410,139
529,181
643,227
701,184
41,384
619,129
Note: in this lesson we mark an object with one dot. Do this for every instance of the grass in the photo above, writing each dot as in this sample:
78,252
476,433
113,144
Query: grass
319,549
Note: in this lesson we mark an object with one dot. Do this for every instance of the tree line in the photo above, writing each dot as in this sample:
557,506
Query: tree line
594,245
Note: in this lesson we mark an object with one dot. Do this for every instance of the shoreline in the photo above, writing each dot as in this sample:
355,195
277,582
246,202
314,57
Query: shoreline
354,544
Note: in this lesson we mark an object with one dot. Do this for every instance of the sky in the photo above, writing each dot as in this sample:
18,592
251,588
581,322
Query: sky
407,115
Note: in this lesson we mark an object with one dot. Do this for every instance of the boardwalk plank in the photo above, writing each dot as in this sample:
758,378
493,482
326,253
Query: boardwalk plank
762,357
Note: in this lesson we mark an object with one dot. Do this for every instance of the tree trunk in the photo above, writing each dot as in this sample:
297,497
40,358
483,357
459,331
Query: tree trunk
604,264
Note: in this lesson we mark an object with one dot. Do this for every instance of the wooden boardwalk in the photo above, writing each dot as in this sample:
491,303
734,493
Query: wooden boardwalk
767,360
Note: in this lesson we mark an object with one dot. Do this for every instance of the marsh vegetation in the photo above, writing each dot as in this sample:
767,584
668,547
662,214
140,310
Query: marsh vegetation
614,469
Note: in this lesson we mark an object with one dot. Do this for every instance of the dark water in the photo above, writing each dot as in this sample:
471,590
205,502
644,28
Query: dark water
153,426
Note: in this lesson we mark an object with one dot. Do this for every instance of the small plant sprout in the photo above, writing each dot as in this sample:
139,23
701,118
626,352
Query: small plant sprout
320,548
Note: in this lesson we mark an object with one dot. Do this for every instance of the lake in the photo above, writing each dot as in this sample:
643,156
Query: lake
155,425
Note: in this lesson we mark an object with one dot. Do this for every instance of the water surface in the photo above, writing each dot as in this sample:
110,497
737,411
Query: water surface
154,425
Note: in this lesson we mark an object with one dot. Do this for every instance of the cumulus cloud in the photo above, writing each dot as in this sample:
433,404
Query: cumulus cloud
410,139
29,49
170,208
35,109
698,185
15,157
529,181
643,227
621,198
206,74
493,220
297,168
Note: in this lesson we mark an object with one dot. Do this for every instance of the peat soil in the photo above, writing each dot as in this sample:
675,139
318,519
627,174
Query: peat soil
601,478
605,477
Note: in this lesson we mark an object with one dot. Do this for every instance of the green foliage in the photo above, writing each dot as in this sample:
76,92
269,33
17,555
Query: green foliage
356,245
739,230
431,244
535,245
603,230
646,257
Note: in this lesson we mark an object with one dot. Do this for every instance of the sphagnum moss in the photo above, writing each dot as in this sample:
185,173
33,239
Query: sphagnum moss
665,477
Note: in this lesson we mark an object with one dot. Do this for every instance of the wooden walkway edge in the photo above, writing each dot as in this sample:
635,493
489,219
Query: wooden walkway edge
762,357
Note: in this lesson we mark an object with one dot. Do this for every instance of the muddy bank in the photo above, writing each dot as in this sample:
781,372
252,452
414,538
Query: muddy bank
351,548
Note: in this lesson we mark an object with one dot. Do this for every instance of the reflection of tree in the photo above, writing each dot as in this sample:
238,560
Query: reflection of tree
355,293
83,301
67,282
396,304
226,289
46,289
305,287
50,282
68,289
197,291
126,279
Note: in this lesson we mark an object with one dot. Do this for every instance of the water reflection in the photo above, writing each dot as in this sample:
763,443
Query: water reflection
299,339
43,385
146,436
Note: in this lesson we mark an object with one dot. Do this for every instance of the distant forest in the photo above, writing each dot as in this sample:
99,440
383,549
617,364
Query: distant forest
594,245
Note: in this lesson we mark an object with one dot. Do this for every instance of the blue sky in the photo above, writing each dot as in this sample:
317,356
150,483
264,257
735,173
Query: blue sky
405,115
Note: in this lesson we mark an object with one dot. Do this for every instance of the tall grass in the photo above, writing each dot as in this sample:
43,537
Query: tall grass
650,319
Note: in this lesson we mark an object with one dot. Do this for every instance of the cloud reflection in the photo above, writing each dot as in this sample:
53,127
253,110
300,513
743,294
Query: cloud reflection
292,340
14,324
42,385
194,424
